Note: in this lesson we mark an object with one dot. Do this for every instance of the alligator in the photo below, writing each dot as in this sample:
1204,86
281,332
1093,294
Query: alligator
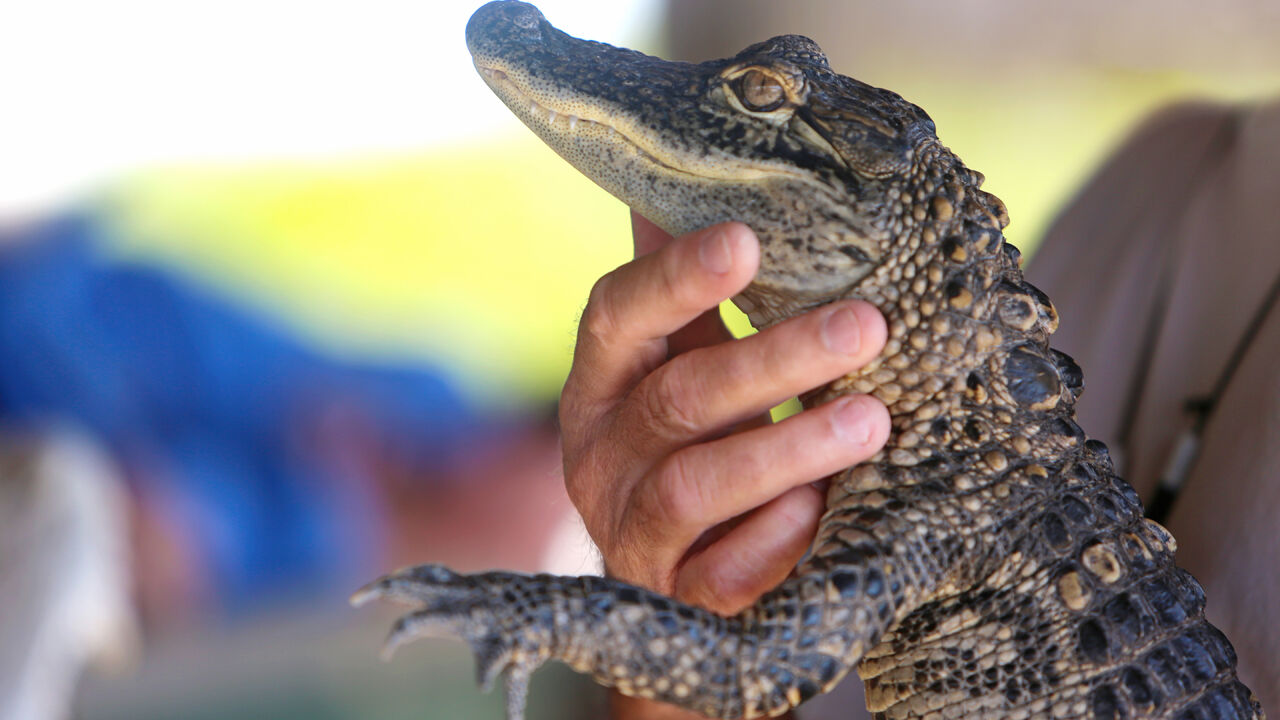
988,562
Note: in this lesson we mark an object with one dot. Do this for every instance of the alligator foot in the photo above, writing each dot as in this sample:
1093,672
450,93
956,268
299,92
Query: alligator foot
789,646
461,606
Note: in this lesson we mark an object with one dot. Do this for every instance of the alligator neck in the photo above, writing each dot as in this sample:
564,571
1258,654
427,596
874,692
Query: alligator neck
967,371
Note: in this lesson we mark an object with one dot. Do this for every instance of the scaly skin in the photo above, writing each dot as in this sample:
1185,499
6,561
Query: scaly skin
988,563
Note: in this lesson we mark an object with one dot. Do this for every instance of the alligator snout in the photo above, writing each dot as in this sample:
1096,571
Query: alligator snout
504,20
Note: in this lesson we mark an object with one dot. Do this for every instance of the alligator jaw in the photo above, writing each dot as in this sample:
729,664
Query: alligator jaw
556,121
676,143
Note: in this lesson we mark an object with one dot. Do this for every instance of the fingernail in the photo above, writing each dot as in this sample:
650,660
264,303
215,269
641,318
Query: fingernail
714,252
851,423
841,332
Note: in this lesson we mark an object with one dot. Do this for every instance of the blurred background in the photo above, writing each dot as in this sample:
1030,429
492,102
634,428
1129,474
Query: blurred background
287,297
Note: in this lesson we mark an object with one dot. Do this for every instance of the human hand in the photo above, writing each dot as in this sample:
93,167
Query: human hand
669,456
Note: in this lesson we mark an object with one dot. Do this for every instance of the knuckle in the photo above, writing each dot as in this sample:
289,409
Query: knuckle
584,420
598,318
776,358
569,395
586,482
678,282
719,583
578,475
789,355
671,272
670,401
591,474
677,495
634,563
725,585
575,406
741,364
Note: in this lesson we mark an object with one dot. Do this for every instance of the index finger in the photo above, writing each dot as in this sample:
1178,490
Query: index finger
707,328
623,333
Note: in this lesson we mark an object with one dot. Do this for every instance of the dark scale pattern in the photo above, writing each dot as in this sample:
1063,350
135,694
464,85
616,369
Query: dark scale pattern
988,563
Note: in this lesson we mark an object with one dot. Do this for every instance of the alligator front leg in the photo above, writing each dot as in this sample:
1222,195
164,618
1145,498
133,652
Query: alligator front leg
797,641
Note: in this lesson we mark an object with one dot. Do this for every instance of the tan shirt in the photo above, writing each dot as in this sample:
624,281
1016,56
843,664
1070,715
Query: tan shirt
1161,270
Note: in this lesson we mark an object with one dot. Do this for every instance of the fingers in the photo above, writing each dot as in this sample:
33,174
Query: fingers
705,484
633,309
706,329
707,389
756,555
703,330
657,385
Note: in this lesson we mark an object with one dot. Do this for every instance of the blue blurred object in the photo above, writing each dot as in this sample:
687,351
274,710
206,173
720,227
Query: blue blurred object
217,410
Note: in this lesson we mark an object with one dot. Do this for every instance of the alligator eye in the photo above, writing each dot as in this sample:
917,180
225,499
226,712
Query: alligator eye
760,92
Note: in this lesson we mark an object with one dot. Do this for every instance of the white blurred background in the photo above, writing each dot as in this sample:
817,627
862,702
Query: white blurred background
93,90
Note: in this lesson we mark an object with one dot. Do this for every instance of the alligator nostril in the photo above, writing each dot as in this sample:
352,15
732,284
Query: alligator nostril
527,19
516,21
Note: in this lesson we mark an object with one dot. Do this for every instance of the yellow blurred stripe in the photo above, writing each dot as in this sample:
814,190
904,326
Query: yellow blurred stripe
479,257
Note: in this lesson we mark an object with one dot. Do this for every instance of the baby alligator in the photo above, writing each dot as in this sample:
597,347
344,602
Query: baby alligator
988,563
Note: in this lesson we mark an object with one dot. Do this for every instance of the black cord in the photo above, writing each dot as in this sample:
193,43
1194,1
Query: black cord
1187,449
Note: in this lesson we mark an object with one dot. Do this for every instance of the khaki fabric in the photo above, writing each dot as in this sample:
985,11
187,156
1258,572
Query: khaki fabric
1158,269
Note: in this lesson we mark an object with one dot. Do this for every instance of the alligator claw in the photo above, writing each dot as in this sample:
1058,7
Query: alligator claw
458,606
411,585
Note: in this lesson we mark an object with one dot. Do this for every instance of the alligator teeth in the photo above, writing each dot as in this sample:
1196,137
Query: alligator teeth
536,110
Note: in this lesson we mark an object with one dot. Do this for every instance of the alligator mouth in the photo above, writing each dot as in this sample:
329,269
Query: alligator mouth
561,123
496,76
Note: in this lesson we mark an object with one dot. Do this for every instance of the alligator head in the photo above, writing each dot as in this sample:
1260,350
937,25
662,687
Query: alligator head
825,169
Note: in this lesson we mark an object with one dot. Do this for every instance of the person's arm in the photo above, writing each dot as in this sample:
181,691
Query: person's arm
681,481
